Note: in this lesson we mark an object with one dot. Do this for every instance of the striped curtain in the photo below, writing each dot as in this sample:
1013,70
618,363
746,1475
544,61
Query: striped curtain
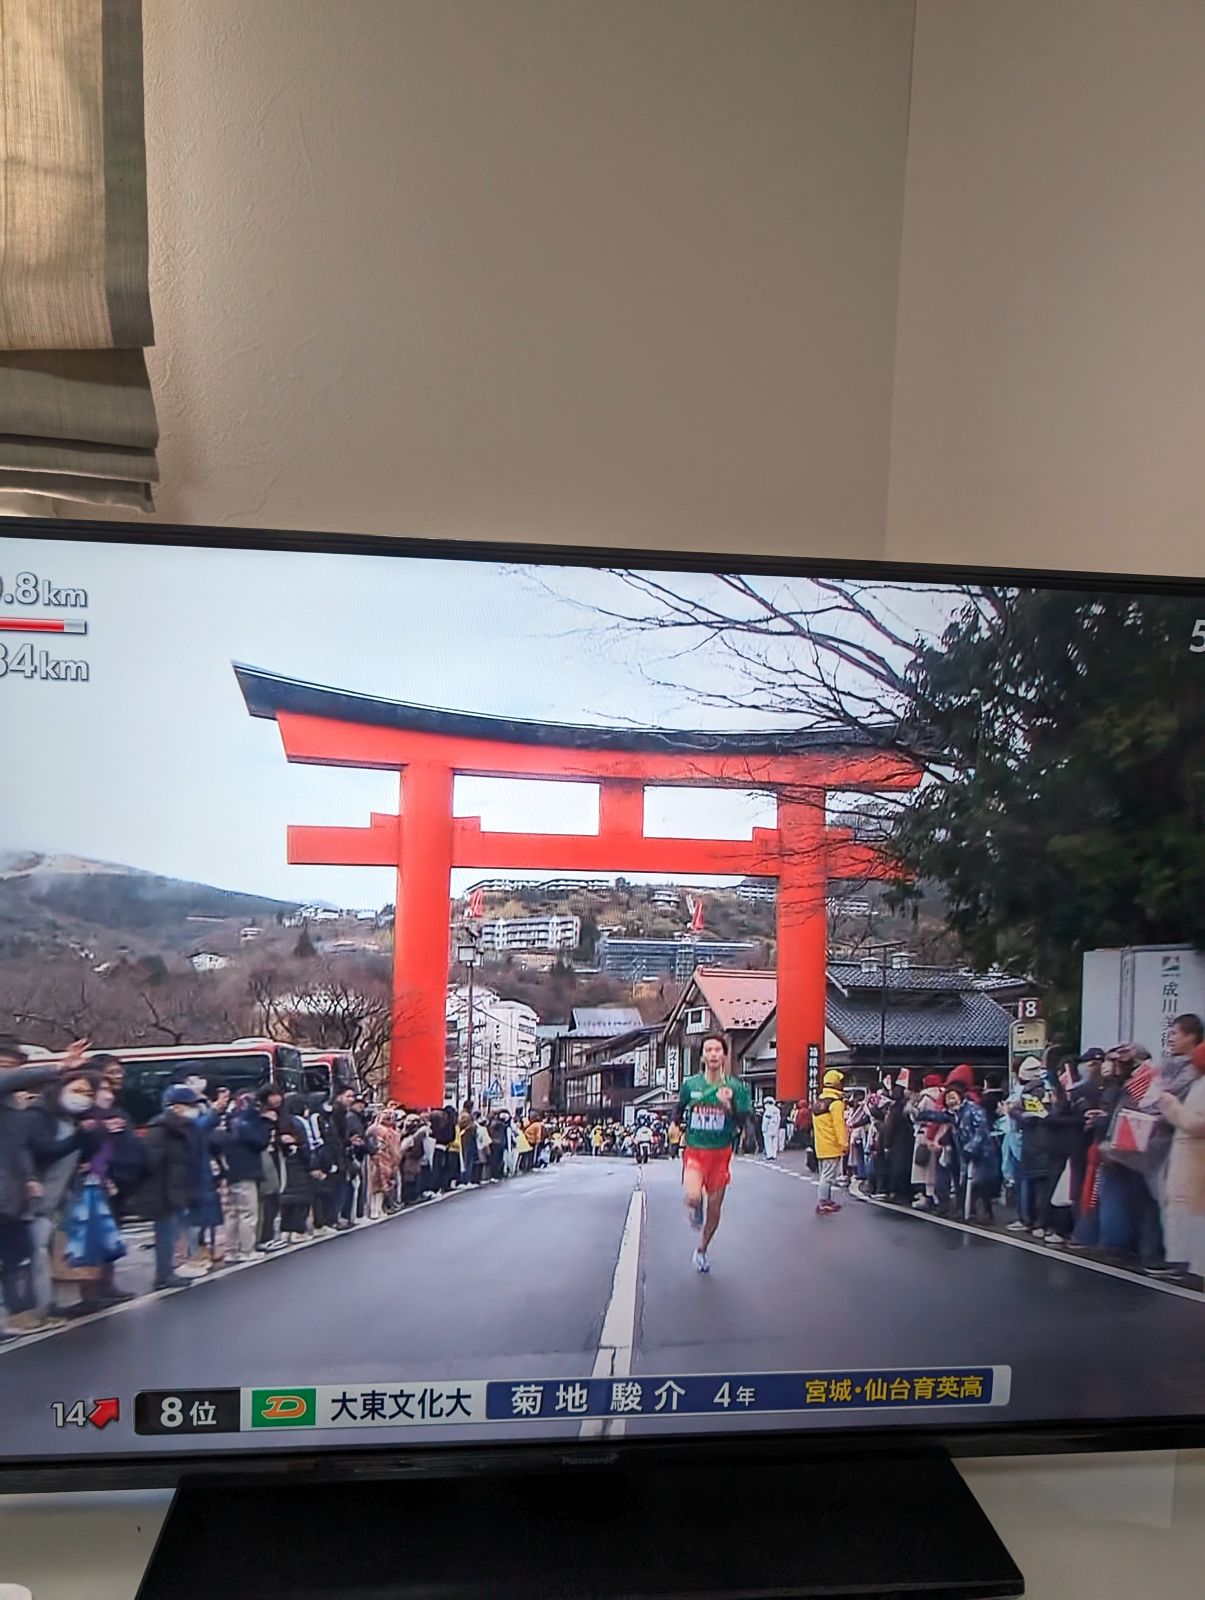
77,420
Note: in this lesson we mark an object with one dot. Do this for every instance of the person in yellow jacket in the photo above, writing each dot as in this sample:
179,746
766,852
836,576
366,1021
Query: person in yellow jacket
831,1138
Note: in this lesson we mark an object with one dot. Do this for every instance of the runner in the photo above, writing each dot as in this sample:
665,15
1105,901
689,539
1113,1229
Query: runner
712,1107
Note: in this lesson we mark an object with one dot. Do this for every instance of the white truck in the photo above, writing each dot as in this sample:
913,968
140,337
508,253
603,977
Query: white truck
1130,996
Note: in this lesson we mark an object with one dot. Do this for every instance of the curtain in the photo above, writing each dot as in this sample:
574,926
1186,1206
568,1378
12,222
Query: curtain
77,419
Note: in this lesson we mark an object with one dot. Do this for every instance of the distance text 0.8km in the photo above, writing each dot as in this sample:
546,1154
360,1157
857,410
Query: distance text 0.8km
27,589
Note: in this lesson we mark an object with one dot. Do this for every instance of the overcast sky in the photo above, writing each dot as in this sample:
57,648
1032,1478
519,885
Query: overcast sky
155,763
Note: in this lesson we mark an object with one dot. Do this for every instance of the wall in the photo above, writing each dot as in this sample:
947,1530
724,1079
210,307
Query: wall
614,273
632,273
1050,379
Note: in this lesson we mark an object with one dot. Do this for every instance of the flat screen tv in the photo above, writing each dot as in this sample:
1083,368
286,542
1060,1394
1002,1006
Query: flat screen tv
461,999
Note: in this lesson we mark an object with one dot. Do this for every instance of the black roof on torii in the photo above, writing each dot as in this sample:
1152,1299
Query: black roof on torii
266,694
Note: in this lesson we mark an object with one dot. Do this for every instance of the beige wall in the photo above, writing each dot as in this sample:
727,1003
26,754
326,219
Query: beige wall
1050,366
613,272
627,271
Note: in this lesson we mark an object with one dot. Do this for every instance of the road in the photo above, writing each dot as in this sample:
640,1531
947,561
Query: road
520,1280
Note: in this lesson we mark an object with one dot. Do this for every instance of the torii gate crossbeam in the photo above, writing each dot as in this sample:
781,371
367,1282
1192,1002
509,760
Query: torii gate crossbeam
424,841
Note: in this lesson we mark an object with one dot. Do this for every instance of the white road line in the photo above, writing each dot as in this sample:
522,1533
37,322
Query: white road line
614,1358
1070,1258
11,1345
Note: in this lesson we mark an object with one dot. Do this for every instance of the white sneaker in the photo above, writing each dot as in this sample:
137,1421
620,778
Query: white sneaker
192,1269
1016,1227
919,1203
1037,1233
701,1262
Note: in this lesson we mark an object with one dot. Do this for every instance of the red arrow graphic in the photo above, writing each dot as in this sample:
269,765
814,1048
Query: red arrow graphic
104,1412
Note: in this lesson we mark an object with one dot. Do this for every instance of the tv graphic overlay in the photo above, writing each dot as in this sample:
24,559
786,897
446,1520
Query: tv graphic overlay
457,1000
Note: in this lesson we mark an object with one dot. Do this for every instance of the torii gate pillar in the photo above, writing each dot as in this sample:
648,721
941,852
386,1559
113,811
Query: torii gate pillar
420,936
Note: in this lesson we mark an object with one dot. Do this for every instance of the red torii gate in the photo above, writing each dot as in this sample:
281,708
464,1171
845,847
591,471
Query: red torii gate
424,841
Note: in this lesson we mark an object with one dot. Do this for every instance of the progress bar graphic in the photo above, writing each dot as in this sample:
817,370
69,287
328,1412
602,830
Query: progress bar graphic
42,625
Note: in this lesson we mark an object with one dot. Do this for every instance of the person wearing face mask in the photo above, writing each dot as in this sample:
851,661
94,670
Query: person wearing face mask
18,1184
118,1166
173,1183
62,1133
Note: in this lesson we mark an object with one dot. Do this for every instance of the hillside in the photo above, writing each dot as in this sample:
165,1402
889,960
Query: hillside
49,900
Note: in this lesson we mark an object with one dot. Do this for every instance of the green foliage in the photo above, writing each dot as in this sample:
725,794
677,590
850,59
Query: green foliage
1066,734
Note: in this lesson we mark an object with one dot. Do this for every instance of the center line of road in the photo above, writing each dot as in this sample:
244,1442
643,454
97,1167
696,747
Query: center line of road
614,1358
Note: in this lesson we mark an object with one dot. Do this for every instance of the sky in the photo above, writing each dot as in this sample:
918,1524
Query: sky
155,762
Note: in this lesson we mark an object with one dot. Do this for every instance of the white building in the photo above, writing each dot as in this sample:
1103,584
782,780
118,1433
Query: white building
667,899
208,961
504,1045
547,932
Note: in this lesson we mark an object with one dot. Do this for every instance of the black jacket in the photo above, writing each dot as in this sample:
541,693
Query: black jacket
297,1187
17,1169
173,1180
241,1143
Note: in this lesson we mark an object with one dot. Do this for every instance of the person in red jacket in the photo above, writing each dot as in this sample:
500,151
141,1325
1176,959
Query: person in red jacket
965,1075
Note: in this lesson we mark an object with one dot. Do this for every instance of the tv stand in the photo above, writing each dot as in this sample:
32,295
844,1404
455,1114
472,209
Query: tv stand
880,1527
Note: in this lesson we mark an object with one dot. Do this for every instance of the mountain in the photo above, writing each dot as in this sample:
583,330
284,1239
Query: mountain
49,899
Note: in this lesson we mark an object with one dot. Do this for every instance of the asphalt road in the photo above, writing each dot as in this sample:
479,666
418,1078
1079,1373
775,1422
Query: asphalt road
517,1280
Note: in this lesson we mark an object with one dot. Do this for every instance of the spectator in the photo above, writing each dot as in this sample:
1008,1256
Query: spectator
485,1145
303,1171
1086,1096
241,1142
59,1137
1129,1225
19,1188
675,1139
411,1154
1065,1135
172,1189
1184,1182
347,1139
1029,1109
324,1158
897,1144
466,1135
119,1167
205,1217
828,1126
771,1127
384,1163
971,1152
964,1075
270,1100
534,1131
523,1152
926,1135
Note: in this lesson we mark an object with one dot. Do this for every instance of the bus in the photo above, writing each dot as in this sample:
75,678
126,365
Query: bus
242,1065
330,1070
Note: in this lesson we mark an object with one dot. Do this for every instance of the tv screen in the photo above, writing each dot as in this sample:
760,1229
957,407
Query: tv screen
462,996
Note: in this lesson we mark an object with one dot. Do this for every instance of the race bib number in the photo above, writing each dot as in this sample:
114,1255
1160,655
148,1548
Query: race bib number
708,1119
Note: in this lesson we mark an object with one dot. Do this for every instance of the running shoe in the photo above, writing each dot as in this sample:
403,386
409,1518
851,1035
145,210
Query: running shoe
1016,1227
701,1262
696,1215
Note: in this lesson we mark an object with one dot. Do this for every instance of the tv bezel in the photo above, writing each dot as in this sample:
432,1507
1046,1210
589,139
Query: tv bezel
148,1469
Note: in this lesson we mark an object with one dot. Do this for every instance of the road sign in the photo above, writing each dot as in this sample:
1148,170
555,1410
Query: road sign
1027,1039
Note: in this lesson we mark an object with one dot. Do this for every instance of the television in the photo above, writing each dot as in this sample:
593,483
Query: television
480,1002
